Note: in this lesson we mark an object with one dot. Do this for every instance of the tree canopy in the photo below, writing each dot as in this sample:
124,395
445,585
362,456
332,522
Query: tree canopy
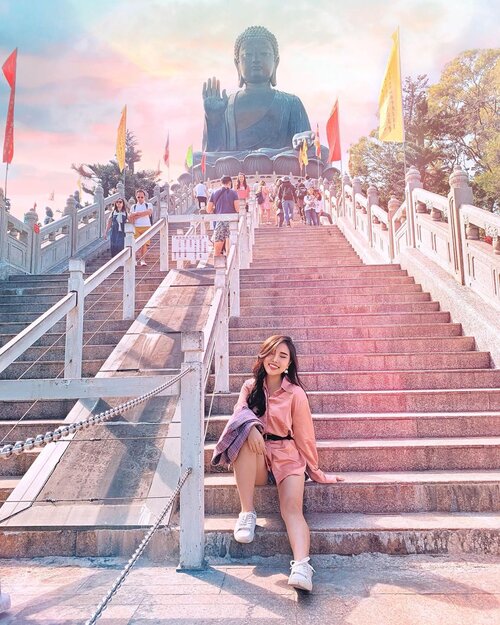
108,175
455,121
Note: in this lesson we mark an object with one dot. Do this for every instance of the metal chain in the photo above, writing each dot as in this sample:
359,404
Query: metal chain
53,436
138,552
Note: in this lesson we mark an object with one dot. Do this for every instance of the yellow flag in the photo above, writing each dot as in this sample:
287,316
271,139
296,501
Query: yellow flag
391,98
303,151
121,140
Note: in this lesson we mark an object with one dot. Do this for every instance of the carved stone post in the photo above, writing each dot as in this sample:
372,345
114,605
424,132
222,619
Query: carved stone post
31,221
392,207
129,275
164,251
234,278
345,182
356,188
73,353
156,205
70,211
460,193
221,357
192,496
4,222
99,200
371,199
413,181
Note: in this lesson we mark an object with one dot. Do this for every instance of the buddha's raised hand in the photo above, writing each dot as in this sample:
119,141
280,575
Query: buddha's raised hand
214,103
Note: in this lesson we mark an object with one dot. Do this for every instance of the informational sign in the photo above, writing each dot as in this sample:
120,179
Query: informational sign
191,247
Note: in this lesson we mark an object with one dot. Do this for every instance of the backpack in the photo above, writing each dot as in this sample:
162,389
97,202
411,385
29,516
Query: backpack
147,206
288,192
260,197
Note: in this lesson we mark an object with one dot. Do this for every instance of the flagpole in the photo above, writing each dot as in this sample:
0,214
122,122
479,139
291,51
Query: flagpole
402,108
6,176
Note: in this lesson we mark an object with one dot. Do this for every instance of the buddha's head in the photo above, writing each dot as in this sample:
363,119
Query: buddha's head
256,56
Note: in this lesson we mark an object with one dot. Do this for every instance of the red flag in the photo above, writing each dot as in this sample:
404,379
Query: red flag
203,163
317,142
166,155
9,71
333,134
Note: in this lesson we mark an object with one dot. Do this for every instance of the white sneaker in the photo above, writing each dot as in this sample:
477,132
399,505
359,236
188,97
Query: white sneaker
143,263
301,574
245,527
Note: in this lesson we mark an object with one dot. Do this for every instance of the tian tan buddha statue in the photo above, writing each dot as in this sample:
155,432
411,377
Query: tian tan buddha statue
257,118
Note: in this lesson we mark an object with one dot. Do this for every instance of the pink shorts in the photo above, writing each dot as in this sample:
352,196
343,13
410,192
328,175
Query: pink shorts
283,459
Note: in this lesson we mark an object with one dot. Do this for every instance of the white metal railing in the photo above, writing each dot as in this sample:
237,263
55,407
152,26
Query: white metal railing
201,349
26,248
461,238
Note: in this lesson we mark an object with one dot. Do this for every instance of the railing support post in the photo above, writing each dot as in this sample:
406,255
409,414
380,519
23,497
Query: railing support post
73,352
192,497
371,199
129,275
70,210
413,181
4,220
356,188
31,221
234,278
222,340
460,193
99,200
244,243
164,251
157,204
392,207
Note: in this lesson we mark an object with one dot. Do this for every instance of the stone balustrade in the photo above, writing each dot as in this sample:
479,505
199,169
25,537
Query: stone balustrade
445,230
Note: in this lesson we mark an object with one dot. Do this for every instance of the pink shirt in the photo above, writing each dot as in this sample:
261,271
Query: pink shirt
243,194
288,412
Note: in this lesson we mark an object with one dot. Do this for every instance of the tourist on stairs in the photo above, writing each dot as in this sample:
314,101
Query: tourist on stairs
141,216
270,440
224,201
116,223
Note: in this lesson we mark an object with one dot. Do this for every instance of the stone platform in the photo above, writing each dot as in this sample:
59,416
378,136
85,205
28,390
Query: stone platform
379,590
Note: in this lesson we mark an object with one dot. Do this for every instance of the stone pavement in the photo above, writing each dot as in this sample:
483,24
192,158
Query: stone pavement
356,590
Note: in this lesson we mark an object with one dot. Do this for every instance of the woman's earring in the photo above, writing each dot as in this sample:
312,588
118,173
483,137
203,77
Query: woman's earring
286,370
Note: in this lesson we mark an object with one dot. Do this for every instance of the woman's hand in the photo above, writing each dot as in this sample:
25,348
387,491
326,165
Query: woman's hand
255,441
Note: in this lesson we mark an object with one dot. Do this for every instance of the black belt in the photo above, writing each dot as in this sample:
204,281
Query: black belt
275,437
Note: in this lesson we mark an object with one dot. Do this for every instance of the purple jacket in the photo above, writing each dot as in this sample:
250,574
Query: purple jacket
234,435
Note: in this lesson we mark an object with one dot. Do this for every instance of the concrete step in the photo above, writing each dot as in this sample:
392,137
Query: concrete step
313,291
326,402
322,283
105,312
285,324
356,533
423,330
46,369
365,346
56,409
384,380
391,307
16,466
28,303
10,431
387,425
294,270
332,298
7,485
56,353
419,454
372,493
10,330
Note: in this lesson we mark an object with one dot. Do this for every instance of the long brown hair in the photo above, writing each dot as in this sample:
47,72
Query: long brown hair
257,396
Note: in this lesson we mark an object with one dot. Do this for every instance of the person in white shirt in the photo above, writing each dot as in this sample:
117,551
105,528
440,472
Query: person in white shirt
200,193
140,216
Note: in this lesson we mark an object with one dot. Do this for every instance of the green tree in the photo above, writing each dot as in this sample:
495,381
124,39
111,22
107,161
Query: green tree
465,103
108,175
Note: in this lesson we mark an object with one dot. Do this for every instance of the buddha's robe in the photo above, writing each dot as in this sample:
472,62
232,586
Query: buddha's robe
271,134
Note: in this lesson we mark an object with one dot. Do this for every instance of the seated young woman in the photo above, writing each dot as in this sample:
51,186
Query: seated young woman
270,439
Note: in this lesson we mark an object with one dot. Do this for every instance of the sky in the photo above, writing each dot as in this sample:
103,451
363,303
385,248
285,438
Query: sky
80,62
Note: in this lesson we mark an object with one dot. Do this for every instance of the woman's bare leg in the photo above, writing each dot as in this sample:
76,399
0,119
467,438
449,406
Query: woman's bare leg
249,471
291,495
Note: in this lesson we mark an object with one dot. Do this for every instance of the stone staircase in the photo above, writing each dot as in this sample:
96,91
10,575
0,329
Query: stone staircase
22,300
404,406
